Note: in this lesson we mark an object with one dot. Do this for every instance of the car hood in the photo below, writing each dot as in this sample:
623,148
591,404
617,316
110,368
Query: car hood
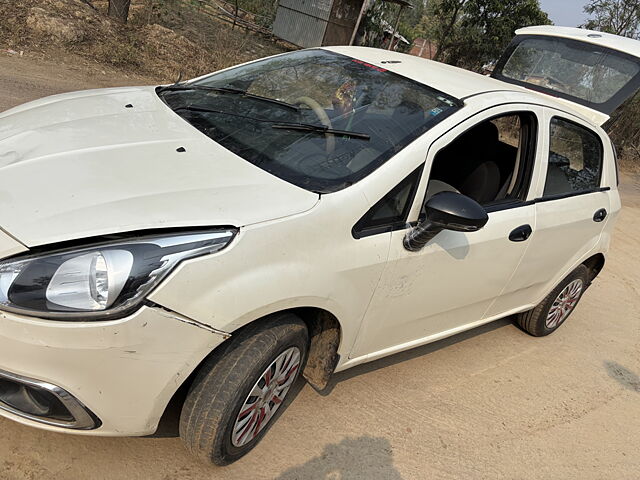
107,161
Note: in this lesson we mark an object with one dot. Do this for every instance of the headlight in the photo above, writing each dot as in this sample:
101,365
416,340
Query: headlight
101,281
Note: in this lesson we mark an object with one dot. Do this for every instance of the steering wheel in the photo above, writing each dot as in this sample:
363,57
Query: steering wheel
324,120
318,165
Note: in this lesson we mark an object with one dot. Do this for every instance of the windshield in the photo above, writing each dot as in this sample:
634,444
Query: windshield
334,121
589,74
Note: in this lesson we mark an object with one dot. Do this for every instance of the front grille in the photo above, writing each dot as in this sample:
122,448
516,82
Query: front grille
44,403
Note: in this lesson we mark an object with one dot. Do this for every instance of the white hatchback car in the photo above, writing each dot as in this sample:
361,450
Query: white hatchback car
301,214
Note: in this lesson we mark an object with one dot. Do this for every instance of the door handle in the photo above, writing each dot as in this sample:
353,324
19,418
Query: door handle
600,215
521,233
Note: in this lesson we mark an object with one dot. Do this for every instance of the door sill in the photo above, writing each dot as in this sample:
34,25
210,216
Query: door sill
352,362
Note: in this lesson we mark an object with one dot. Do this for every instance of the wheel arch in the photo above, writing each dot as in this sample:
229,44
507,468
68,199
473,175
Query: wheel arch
325,336
595,264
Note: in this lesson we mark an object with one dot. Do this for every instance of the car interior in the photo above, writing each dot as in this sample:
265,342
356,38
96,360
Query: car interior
389,118
491,163
486,163
575,159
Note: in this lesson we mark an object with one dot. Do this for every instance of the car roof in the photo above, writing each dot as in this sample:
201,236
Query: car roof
454,81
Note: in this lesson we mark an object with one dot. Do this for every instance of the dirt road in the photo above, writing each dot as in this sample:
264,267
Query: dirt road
493,403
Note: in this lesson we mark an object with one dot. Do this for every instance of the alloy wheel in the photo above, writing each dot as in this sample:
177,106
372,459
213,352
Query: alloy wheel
266,396
564,303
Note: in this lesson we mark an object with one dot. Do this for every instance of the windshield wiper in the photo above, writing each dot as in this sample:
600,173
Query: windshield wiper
302,127
306,127
230,90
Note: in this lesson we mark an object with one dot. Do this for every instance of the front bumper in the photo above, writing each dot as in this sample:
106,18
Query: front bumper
124,372
44,402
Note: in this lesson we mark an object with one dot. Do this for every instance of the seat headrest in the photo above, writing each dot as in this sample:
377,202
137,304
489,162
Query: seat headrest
485,133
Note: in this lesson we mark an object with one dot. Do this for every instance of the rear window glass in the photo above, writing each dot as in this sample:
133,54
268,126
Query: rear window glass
574,69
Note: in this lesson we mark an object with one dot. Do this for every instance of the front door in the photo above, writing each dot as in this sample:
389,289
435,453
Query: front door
449,285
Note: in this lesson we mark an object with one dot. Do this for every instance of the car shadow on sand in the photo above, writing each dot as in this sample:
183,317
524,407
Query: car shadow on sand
413,353
354,458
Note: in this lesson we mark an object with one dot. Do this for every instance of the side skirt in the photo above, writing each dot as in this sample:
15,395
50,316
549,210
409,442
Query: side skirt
425,340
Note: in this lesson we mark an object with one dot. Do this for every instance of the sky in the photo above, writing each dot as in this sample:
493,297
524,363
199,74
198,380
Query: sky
565,13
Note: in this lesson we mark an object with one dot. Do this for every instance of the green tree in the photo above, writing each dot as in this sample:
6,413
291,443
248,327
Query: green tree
412,17
440,24
470,33
620,17
380,17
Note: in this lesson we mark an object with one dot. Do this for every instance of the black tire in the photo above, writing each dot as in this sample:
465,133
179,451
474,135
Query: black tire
225,380
534,321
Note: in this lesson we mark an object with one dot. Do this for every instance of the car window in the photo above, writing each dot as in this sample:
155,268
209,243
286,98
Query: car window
580,71
575,159
392,210
291,98
490,162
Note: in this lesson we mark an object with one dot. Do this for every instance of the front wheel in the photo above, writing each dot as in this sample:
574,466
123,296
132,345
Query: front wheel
240,388
557,306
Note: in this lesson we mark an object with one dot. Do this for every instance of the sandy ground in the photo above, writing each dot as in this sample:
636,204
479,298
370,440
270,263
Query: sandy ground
491,403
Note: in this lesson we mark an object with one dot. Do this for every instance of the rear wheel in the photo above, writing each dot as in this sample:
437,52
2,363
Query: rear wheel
554,310
240,390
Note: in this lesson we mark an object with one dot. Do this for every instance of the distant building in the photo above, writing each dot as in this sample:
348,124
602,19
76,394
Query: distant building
315,23
423,48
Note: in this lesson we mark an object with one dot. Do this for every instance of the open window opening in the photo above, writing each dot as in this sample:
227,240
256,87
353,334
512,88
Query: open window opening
491,163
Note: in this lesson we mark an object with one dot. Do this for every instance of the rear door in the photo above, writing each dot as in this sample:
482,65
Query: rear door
593,71
572,208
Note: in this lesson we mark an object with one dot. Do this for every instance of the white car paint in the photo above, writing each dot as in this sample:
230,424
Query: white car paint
476,267
293,249
144,182
558,249
126,370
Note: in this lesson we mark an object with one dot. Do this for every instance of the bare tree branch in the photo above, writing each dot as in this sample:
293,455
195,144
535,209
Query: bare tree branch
119,9
90,4
620,17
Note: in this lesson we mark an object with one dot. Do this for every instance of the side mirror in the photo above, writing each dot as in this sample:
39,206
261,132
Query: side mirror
446,211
